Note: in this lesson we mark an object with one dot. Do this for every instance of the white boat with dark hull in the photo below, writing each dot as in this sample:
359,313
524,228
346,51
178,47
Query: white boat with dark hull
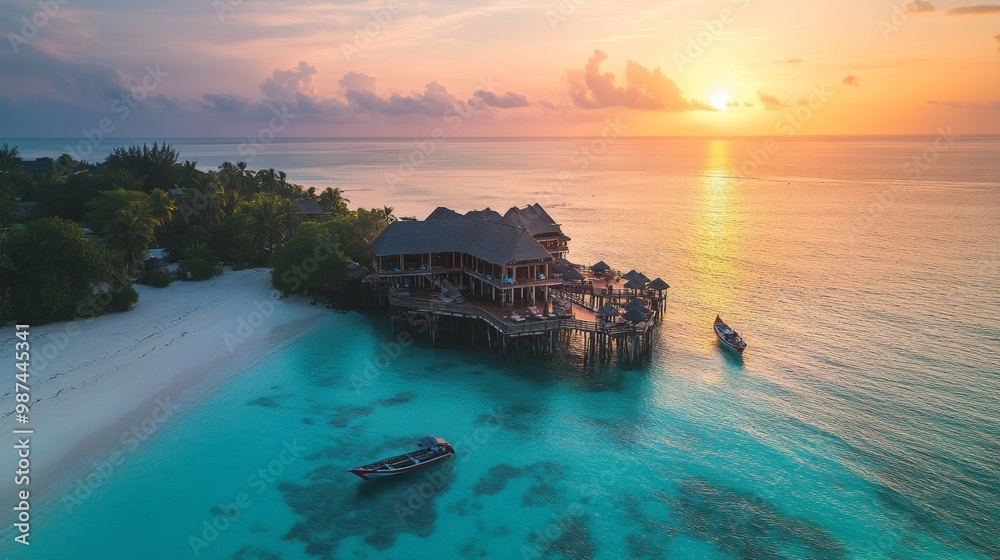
432,450
728,338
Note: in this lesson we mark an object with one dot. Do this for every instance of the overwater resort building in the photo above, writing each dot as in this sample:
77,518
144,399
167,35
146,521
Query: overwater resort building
504,258
504,280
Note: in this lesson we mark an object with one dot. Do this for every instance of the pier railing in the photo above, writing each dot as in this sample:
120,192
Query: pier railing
510,327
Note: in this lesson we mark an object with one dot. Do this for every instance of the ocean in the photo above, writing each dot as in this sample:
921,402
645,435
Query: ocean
862,423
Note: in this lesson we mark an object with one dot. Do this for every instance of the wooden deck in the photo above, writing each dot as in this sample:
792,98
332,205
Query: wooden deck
498,317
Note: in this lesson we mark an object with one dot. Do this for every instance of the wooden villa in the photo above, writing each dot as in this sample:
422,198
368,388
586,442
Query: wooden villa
478,272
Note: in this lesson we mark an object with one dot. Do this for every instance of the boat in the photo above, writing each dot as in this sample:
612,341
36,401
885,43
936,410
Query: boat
730,339
432,450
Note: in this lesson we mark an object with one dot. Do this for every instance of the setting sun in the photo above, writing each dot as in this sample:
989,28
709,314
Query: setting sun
719,100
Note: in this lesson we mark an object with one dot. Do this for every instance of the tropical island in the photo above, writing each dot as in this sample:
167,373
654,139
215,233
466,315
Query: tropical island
78,235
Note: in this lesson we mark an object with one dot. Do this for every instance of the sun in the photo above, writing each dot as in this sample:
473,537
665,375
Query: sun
720,100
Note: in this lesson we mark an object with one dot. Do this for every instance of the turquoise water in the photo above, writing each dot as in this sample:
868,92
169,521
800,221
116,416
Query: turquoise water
862,424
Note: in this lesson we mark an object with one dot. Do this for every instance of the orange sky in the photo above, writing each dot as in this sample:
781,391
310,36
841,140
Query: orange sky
560,67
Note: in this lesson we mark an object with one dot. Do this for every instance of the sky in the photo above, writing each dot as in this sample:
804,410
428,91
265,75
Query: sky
417,69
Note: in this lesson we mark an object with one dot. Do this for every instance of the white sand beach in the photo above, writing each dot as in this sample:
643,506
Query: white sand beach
108,382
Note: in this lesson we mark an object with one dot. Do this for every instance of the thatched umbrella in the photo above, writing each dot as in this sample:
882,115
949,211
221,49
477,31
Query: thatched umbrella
658,285
634,315
636,304
572,275
634,285
562,265
601,267
642,278
609,310
631,275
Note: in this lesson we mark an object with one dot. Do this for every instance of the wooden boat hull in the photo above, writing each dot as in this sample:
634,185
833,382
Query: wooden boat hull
380,473
721,333
732,349
432,450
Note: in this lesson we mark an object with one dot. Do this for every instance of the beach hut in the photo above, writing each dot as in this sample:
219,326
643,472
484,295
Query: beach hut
600,267
634,315
636,304
608,310
658,285
637,276
634,284
572,275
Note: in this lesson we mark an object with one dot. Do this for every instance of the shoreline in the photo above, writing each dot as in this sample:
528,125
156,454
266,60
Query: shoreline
100,387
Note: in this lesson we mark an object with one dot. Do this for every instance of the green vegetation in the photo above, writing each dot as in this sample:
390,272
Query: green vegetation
142,197
155,279
199,269
309,261
48,272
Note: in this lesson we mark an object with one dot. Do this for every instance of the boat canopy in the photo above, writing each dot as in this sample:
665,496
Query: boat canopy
431,441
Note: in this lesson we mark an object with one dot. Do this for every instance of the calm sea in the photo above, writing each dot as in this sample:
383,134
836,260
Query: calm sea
862,423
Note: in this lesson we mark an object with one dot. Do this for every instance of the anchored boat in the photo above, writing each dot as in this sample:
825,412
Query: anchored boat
432,450
730,339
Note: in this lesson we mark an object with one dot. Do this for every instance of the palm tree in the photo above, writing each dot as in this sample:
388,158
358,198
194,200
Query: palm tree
131,234
188,172
387,214
207,200
161,207
266,220
291,215
268,179
196,250
332,200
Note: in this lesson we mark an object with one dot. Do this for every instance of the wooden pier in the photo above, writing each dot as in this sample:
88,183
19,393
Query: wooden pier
481,323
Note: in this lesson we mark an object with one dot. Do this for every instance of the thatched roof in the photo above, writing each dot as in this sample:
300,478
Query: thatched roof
442,213
533,218
658,285
635,304
601,266
609,310
637,276
495,242
635,315
572,275
562,265
634,285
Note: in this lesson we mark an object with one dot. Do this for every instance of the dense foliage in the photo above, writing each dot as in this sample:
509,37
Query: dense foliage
309,261
48,272
142,197
200,269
